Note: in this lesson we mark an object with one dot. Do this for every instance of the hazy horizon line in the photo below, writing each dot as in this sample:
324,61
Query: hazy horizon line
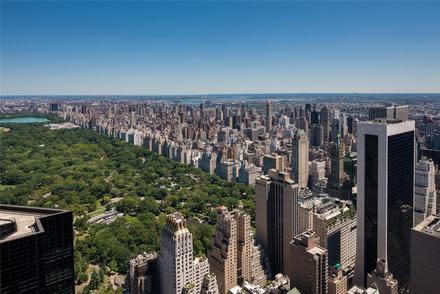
231,93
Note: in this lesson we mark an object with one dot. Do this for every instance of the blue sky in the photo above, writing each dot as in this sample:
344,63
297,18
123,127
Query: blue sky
128,47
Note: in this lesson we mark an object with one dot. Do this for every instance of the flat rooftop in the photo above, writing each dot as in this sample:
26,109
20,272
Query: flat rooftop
430,226
24,218
24,221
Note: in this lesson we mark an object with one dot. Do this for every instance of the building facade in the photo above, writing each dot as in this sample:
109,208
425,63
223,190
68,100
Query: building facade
337,281
223,254
142,275
425,256
277,217
308,268
300,158
178,270
36,253
386,159
338,185
335,224
425,194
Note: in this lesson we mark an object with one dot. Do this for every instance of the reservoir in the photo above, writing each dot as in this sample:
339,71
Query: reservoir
23,120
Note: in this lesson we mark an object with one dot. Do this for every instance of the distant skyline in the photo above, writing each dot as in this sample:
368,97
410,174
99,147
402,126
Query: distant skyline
166,48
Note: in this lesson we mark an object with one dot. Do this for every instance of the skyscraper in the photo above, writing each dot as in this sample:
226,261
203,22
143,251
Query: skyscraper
386,156
231,252
277,218
317,135
338,184
336,128
268,115
425,195
308,268
324,120
177,268
244,245
300,158
36,250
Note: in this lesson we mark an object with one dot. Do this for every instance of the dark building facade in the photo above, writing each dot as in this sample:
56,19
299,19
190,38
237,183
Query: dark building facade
400,204
36,251
277,219
386,161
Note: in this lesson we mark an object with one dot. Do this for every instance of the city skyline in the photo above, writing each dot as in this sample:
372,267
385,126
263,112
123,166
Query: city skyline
193,48
218,197
219,147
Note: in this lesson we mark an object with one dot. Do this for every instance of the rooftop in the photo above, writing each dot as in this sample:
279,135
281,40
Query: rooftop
24,218
317,250
430,226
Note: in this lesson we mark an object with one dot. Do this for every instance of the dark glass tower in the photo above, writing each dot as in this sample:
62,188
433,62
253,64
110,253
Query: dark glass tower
386,156
400,204
36,251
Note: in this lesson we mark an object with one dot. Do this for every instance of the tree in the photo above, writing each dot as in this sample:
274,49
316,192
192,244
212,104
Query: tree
94,281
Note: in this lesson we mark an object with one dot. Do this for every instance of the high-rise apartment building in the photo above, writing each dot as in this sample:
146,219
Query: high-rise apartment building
177,268
300,158
425,194
324,120
277,218
223,254
268,115
425,256
385,176
36,250
308,267
231,254
316,135
317,171
336,128
338,185
381,279
244,245
334,222
54,106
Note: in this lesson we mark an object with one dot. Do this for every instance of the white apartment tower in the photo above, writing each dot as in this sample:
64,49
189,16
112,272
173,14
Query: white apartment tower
177,268
425,195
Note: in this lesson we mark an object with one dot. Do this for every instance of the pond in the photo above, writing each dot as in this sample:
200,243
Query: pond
23,120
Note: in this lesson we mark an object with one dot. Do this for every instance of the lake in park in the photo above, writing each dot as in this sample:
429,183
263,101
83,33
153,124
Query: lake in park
23,120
